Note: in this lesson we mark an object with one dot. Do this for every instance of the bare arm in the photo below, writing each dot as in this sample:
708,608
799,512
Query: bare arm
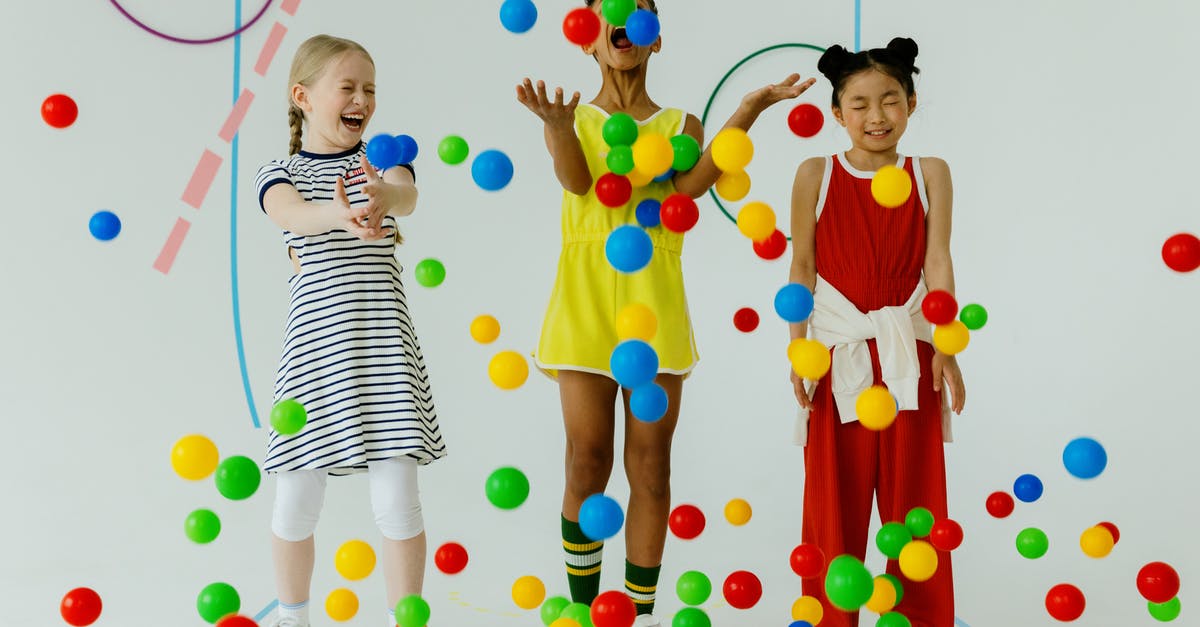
939,268
292,213
570,164
406,198
805,191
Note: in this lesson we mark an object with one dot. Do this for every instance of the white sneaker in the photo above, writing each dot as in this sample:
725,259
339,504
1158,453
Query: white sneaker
287,621
646,620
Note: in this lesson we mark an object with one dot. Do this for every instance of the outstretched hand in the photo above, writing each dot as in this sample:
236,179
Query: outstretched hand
351,219
381,197
791,87
554,112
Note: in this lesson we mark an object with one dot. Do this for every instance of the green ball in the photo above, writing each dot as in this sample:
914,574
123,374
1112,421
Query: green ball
553,608
691,617
1165,612
848,583
507,488
237,478
895,581
620,160
687,152
453,150
1032,543
891,539
617,11
580,613
620,129
216,601
412,611
893,619
430,273
202,526
919,521
288,417
973,316
693,587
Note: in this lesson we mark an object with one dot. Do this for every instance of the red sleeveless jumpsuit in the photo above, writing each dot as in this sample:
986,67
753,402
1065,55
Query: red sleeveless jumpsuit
874,256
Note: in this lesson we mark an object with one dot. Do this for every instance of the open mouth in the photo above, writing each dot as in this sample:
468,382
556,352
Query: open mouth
878,134
353,121
620,40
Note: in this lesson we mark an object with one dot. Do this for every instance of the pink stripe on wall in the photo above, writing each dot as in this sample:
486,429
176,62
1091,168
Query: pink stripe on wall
270,48
289,6
202,178
236,115
166,257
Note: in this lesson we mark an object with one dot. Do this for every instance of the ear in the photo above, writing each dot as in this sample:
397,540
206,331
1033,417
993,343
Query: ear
837,115
300,97
657,45
912,103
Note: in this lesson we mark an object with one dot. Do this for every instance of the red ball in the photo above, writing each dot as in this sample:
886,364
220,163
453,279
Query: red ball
687,522
1181,252
808,561
1000,504
613,609
1065,602
946,535
450,558
806,120
1158,582
581,26
773,247
742,589
1116,533
939,307
237,620
613,190
679,213
59,111
81,606
745,320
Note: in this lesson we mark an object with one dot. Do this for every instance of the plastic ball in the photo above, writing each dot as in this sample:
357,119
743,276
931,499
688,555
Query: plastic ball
518,16
876,408
1000,504
1165,612
412,611
581,26
652,154
1181,252
807,561
620,129
508,370
578,612
642,27
485,329
636,321
892,538
810,358
620,160
1096,542
383,151
733,186
1084,458
1027,488
895,581
848,583
679,213
732,150
354,560
665,176
939,307
687,152
649,403
649,213
430,273
952,338
341,605
745,320
973,316
408,148
216,601
600,517
1116,533
59,110
800,623
794,302
104,226
946,535
492,170
738,512
773,247
552,608
288,417
686,522
1158,582
194,457
919,521
639,179
202,526
237,478
613,609
1032,543
453,150
237,620
918,560
807,610
742,589
81,606
893,619
451,558
806,120
634,363
566,622
883,597
613,190
693,587
891,186
756,221
507,488
1065,602
616,12
528,592
691,617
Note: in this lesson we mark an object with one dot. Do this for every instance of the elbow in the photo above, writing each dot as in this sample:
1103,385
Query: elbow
695,192
579,185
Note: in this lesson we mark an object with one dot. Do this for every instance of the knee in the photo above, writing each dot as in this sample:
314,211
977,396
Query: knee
296,512
649,472
398,516
589,466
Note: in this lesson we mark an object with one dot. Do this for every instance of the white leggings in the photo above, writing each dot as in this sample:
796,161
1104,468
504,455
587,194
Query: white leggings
300,494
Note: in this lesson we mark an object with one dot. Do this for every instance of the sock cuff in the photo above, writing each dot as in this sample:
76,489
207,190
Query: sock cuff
574,539
294,606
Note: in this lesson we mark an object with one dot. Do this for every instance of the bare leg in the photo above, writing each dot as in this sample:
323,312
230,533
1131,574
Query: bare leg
588,401
403,567
293,568
648,466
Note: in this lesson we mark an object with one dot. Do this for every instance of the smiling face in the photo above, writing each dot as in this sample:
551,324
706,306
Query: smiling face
613,48
874,109
339,104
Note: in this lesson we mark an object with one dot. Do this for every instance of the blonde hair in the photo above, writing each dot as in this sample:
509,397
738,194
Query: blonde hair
308,65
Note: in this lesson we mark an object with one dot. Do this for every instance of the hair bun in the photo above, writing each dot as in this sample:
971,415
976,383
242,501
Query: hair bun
833,61
903,49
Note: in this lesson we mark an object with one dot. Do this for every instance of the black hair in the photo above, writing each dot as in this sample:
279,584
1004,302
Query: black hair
897,61
653,5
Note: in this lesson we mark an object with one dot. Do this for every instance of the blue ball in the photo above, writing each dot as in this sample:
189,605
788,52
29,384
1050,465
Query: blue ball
104,225
408,149
518,16
634,364
628,248
649,403
649,213
600,517
1085,458
794,302
1027,488
801,623
492,170
383,151
665,176
642,27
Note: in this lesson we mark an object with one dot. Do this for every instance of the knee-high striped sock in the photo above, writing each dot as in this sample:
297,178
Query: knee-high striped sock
583,562
641,584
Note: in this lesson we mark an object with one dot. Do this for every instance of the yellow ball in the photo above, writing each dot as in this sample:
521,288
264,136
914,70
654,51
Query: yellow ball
732,150
876,408
1096,542
341,605
891,186
528,592
636,321
738,512
637,178
194,457
918,560
565,622
756,220
508,370
652,154
485,329
952,338
808,609
733,186
883,599
810,358
355,560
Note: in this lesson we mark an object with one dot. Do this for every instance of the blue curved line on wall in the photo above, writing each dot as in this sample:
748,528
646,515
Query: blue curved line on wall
233,228
857,25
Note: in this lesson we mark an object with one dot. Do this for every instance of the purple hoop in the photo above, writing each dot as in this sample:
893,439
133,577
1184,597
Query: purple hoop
181,40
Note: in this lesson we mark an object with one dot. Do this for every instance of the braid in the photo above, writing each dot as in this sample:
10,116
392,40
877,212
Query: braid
296,123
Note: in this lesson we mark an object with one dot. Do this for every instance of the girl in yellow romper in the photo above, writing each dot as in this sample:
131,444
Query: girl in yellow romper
580,330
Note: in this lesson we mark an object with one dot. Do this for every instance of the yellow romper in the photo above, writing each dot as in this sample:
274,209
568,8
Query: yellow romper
580,329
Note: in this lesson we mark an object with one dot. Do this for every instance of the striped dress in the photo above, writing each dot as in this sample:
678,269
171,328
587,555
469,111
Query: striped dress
350,354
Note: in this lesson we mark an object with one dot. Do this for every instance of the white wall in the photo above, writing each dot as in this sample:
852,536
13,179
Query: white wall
1070,132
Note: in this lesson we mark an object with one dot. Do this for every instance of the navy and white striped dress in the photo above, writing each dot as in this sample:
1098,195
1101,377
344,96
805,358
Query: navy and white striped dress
350,354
